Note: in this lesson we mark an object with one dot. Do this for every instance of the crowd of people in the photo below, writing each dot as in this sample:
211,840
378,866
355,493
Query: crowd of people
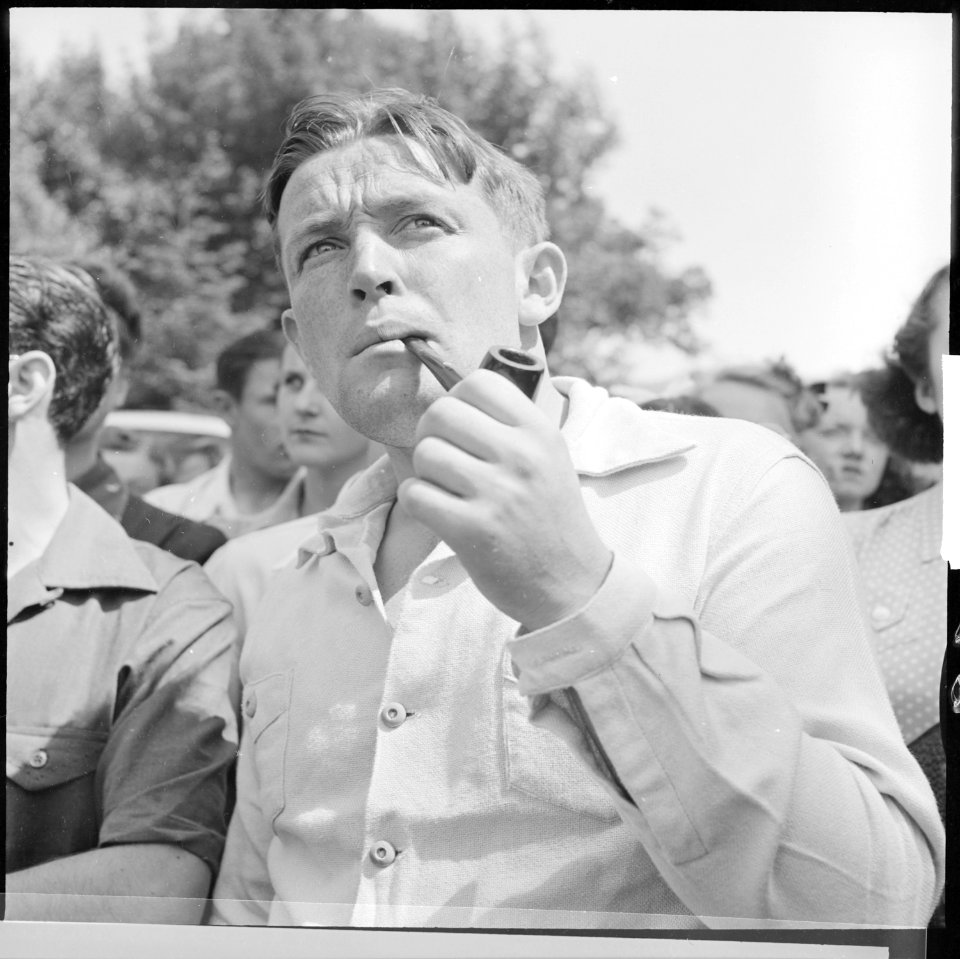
418,656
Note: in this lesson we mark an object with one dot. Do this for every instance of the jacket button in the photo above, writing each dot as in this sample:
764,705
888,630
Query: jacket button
39,759
393,715
383,853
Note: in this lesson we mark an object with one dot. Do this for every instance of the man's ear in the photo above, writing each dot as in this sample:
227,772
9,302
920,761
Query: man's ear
290,329
541,279
32,378
923,394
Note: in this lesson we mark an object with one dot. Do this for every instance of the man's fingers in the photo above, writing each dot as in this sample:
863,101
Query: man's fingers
443,464
500,399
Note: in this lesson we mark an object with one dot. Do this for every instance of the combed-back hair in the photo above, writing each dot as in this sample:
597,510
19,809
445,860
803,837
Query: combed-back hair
58,310
234,363
890,393
897,482
451,152
777,377
117,294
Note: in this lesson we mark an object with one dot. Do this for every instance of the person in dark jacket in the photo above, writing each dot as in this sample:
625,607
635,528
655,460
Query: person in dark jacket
87,468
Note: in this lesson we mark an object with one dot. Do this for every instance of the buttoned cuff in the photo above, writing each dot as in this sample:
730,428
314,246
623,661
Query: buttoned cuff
589,640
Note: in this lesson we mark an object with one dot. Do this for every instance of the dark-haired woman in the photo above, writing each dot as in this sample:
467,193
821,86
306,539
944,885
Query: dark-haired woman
898,546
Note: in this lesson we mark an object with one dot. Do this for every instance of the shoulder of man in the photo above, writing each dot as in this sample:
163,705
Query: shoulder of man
177,534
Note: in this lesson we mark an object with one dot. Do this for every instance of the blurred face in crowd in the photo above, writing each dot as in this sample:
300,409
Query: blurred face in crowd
313,432
930,393
849,454
256,439
744,401
374,250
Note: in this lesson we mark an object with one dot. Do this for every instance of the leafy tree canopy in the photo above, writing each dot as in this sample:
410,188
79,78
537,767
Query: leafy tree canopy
164,176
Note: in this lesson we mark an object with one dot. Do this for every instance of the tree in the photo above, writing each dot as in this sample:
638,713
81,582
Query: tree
166,175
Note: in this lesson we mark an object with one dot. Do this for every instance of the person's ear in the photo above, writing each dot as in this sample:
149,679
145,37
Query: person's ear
32,378
225,404
923,394
290,329
541,279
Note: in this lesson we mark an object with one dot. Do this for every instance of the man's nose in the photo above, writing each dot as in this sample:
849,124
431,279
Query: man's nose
307,402
374,271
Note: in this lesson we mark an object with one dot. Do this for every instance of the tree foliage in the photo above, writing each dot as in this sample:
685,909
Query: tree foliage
164,176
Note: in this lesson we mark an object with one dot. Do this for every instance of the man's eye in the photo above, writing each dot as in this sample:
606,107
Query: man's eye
293,382
317,248
422,221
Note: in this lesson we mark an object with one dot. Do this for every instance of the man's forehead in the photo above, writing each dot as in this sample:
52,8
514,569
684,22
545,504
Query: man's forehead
373,165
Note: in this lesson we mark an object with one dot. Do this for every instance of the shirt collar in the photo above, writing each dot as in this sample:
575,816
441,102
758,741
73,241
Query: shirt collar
89,550
604,434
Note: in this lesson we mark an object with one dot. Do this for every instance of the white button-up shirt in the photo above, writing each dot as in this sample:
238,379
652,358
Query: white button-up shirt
708,740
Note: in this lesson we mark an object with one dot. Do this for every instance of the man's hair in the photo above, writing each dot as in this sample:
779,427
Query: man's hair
119,296
777,377
890,393
233,364
56,309
456,154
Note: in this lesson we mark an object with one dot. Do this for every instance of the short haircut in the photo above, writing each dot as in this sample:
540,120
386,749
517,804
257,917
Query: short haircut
777,377
234,363
117,293
456,153
890,393
57,309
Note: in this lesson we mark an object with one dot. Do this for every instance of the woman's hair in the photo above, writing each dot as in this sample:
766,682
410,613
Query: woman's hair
451,152
890,393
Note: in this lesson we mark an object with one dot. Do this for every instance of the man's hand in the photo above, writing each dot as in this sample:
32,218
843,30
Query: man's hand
493,478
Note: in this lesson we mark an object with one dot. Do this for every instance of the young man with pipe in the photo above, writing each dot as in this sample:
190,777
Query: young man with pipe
560,662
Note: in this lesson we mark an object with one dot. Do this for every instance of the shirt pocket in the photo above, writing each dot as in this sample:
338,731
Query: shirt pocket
542,765
265,708
39,759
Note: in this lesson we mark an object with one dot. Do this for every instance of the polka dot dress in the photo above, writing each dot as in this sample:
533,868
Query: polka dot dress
905,580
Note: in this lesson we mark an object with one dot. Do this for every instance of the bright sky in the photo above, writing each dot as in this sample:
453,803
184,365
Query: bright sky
803,157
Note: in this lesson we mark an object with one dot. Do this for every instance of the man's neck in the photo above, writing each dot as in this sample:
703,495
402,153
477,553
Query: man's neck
252,490
37,501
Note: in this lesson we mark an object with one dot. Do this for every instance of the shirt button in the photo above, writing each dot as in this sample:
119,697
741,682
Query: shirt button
364,596
393,715
430,580
250,705
39,759
383,853
880,614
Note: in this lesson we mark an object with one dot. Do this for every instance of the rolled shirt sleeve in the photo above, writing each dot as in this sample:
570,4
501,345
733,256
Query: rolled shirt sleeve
750,729
163,775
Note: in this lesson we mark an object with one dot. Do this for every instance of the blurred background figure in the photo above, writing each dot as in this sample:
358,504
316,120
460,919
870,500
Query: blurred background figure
898,546
329,451
87,467
858,465
257,484
691,405
771,394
